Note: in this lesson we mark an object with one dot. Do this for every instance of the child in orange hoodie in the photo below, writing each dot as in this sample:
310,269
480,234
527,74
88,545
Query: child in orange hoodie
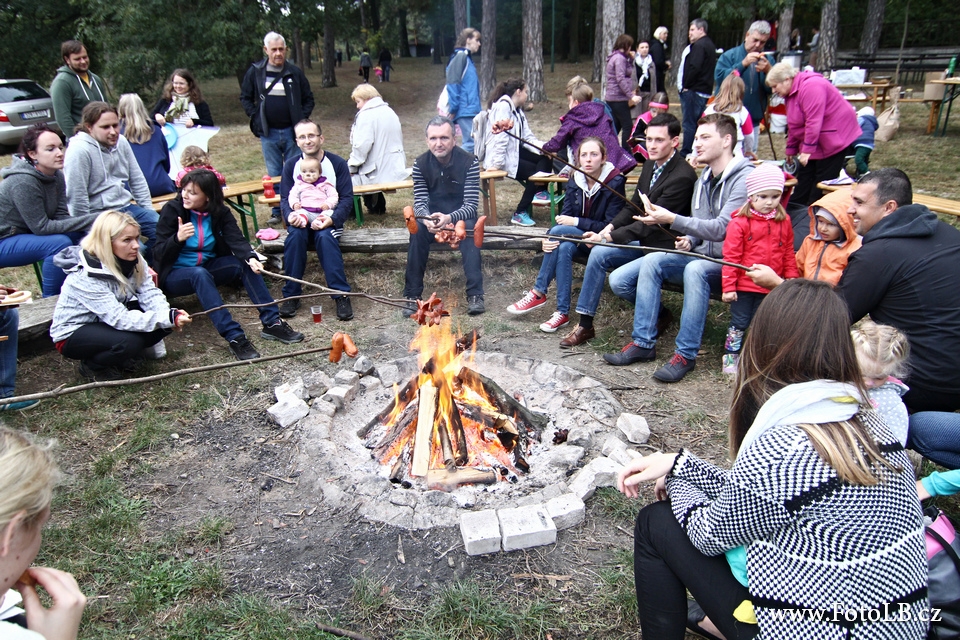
824,253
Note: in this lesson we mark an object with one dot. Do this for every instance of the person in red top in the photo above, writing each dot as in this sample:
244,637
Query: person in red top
760,232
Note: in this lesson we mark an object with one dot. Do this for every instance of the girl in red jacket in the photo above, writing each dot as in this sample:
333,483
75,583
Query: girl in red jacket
759,233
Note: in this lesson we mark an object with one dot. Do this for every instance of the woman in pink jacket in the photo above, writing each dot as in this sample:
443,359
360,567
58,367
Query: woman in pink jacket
821,127
620,94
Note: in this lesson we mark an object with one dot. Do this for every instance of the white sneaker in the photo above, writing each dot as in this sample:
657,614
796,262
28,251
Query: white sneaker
156,352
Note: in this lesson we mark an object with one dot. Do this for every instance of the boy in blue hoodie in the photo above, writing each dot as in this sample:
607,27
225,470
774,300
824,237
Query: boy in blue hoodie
865,143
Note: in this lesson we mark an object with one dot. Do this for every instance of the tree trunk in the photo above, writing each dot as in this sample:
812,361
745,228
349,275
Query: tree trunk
829,35
305,55
613,26
329,75
402,33
644,26
363,24
573,47
681,24
786,26
374,14
459,16
533,49
297,49
437,41
870,38
599,54
488,52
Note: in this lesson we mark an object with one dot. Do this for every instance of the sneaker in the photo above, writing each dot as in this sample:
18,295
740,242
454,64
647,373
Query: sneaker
344,308
130,365
282,332
156,352
527,303
288,308
276,222
242,349
730,362
674,370
523,219
97,373
631,354
556,321
475,305
542,198
19,406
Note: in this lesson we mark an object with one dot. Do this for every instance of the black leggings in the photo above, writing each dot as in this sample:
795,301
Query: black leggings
816,171
666,564
529,164
103,346
622,121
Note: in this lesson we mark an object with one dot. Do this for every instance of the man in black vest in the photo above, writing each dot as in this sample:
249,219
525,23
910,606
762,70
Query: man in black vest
446,189
695,80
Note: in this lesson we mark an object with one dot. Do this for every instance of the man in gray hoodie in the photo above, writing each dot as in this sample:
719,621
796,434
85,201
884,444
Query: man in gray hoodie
719,192
102,173
74,86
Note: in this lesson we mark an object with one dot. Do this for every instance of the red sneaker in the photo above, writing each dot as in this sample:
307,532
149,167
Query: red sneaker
527,303
556,321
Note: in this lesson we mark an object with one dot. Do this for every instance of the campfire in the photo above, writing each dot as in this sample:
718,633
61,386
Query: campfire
450,425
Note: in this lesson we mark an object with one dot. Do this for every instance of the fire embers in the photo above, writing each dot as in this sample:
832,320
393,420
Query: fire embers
450,425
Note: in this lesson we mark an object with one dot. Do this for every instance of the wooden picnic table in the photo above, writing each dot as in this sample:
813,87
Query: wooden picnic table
239,197
951,90
934,203
878,89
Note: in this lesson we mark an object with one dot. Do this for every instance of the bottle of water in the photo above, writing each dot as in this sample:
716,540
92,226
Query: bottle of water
951,66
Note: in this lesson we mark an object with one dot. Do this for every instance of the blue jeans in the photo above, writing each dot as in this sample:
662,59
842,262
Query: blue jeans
148,225
419,251
641,280
692,105
744,308
559,263
601,260
26,248
220,271
9,323
936,435
466,128
278,146
295,248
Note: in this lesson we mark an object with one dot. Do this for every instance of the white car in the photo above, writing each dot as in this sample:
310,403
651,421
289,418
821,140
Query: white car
22,103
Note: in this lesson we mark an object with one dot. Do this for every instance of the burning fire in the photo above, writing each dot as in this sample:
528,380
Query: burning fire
449,423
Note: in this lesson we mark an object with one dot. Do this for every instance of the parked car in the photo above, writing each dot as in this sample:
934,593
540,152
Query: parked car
22,103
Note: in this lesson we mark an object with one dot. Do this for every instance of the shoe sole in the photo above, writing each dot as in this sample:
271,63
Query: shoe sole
632,361
476,312
242,359
547,328
523,224
519,312
288,314
267,336
670,380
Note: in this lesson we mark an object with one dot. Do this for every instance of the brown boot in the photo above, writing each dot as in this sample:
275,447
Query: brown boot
578,336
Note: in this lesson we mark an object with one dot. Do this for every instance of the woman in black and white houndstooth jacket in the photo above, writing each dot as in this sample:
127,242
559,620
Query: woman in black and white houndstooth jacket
821,496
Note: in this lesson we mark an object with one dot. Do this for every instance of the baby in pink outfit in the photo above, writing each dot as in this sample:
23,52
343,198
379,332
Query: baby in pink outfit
312,196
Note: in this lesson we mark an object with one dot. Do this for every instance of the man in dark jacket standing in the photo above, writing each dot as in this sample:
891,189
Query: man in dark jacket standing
275,96
695,79
907,274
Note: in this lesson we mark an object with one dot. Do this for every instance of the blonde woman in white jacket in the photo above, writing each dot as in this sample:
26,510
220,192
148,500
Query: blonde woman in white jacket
376,146
506,153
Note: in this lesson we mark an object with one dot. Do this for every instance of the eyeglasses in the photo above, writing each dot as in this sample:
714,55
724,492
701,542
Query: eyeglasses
309,136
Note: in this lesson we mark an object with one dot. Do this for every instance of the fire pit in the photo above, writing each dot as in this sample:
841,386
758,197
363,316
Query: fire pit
453,428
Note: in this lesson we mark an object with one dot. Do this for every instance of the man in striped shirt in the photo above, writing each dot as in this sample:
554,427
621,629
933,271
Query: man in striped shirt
446,189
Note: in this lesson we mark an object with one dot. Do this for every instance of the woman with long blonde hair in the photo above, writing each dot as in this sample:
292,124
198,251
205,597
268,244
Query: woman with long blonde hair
26,488
147,142
818,517
110,315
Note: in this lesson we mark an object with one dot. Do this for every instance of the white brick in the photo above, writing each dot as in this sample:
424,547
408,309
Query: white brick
339,396
566,510
323,407
294,388
363,366
616,449
525,527
634,427
370,383
564,456
389,374
316,383
346,378
599,472
480,531
288,410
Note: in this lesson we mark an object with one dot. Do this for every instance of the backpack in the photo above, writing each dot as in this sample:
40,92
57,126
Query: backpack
480,134
943,566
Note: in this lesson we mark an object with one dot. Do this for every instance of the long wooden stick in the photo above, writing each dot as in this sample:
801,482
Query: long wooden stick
393,302
62,391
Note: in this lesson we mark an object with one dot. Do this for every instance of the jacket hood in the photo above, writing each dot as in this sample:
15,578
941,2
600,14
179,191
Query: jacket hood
911,221
587,114
735,167
68,71
838,204
618,53
86,138
20,166
608,171
373,103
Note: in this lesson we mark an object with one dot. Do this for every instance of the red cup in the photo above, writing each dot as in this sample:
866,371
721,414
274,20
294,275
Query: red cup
317,312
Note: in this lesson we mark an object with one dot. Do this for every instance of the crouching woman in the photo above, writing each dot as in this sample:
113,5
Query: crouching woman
110,315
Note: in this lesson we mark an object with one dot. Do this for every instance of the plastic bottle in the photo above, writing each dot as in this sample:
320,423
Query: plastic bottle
951,66
268,191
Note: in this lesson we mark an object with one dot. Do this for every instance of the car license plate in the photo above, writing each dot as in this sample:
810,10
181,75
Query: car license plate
31,115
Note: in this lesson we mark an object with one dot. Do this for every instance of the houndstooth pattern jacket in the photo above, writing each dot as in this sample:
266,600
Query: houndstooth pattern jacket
825,559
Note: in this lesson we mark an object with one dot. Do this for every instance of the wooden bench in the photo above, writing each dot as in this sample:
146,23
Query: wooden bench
488,194
35,319
934,203
238,196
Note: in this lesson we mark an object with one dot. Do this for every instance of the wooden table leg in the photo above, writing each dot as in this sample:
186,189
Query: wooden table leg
492,197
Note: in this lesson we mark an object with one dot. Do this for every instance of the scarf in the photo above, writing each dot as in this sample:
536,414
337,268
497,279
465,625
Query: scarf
179,106
643,64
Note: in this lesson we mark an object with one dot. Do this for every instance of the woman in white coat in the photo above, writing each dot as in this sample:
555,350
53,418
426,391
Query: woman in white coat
506,153
376,146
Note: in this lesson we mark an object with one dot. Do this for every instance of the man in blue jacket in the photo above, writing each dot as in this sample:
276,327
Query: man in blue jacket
324,233
275,96
463,85
752,64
